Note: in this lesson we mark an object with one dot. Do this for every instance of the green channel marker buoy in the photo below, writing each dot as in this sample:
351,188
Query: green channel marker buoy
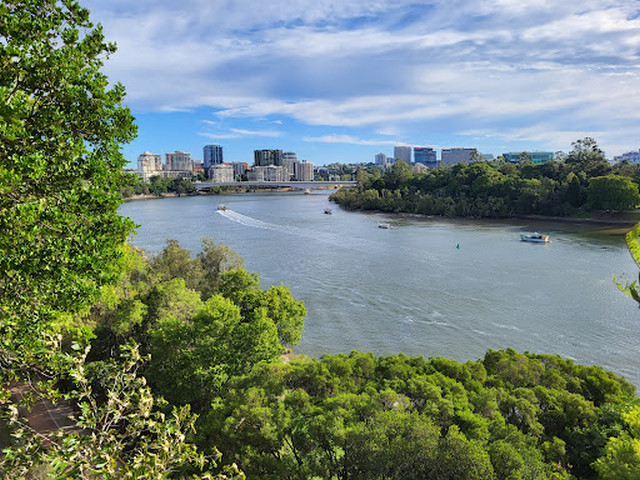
457,245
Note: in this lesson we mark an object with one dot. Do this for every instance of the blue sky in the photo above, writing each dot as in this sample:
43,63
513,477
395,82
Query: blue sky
341,80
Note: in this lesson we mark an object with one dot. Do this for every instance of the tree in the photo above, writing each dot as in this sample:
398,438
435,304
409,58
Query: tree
586,156
60,165
612,192
61,127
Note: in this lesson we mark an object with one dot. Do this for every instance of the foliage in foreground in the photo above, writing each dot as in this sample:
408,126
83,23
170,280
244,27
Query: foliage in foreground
356,416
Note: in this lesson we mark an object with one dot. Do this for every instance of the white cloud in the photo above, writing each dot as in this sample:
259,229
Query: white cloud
525,67
341,138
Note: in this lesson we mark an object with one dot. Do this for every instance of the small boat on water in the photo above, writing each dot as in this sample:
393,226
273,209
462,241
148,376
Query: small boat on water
222,207
534,238
386,226
328,211
307,191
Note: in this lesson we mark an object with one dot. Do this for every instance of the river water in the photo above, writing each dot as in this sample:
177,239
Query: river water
409,288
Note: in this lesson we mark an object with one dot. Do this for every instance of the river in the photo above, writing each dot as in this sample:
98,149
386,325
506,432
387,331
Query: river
409,288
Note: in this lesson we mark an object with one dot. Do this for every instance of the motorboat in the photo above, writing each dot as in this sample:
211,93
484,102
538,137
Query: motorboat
534,238
386,226
328,211
222,207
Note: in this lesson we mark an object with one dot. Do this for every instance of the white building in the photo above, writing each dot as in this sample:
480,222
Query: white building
268,173
221,173
381,159
149,164
457,155
633,157
403,153
305,172
290,162
178,162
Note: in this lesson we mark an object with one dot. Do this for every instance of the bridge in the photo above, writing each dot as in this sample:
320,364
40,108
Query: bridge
292,185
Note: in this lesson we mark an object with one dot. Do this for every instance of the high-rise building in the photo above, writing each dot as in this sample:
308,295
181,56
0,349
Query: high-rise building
178,162
457,155
221,173
381,159
402,152
262,158
149,164
305,171
212,155
425,156
290,162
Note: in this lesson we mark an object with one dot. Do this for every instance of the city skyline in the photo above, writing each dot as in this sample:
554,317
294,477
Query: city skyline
342,81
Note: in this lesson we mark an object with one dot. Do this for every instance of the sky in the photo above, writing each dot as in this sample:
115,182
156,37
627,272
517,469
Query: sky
342,80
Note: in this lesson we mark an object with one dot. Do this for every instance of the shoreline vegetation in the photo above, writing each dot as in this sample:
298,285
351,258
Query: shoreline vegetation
624,219
583,187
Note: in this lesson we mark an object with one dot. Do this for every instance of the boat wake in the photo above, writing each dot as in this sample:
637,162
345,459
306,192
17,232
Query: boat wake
248,221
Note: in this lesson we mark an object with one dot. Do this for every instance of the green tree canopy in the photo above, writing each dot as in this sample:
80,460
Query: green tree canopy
612,192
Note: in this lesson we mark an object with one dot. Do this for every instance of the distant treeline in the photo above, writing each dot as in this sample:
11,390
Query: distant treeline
583,181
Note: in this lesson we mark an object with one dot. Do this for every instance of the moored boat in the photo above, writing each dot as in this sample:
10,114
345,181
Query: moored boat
534,238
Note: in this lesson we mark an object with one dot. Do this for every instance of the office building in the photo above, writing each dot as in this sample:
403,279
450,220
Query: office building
212,155
403,153
262,158
457,155
536,157
381,159
425,156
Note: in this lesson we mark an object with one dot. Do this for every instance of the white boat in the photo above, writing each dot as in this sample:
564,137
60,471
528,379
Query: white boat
534,238
328,211
384,225
222,207
307,191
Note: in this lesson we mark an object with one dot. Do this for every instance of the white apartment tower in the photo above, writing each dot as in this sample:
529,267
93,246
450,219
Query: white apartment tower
178,162
149,164
305,172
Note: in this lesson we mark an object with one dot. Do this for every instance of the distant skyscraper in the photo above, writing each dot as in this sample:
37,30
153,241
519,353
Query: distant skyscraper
425,156
262,158
212,155
381,159
457,155
403,153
